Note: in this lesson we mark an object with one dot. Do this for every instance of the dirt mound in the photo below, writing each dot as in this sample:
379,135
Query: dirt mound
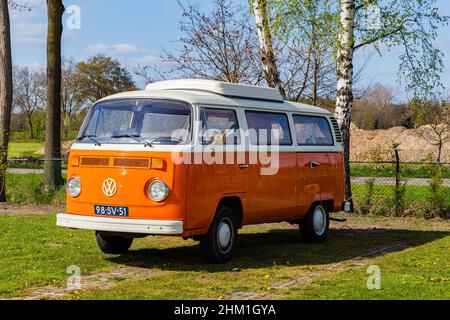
376,145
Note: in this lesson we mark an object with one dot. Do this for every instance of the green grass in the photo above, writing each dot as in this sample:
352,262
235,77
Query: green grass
23,149
413,194
416,201
27,189
388,170
35,253
421,272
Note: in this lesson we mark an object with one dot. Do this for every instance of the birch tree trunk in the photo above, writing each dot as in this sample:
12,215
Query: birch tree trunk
269,64
344,96
52,167
6,92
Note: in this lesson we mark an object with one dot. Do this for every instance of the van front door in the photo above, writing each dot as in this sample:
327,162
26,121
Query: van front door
221,140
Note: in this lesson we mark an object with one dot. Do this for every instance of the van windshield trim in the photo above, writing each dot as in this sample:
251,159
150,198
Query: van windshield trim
144,106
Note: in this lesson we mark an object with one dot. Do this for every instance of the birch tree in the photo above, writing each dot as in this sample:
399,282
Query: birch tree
266,51
52,166
6,92
344,73
407,24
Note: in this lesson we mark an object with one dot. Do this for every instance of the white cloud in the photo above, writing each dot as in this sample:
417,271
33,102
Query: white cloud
148,59
28,33
121,48
27,26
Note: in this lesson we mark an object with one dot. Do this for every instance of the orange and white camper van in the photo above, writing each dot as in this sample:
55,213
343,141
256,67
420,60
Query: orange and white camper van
199,159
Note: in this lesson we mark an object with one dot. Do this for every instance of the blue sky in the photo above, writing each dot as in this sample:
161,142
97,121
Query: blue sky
135,34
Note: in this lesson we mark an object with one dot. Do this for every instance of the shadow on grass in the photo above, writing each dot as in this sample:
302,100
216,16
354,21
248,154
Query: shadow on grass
281,247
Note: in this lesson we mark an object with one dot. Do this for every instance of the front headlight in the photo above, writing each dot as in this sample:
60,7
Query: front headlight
74,187
158,191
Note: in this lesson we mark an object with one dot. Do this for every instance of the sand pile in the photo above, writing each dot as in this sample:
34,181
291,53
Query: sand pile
374,145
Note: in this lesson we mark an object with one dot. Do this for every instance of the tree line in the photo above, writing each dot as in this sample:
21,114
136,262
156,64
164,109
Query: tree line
82,83
304,48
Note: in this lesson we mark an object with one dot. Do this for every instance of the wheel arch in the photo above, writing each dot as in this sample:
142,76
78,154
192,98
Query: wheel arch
235,203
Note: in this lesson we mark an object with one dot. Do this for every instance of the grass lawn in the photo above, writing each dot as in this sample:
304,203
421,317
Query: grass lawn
34,253
26,189
23,149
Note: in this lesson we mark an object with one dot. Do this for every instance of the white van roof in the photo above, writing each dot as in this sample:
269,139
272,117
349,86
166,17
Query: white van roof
210,92
221,88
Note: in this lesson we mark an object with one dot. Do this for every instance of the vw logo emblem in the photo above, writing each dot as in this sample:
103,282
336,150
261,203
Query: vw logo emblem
109,187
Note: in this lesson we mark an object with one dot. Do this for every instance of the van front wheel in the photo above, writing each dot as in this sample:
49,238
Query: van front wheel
219,243
112,244
314,227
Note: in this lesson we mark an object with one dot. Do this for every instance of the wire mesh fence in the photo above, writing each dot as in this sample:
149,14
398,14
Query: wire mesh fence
401,188
32,165
379,188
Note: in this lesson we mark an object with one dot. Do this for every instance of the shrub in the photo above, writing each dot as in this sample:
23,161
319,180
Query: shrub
437,205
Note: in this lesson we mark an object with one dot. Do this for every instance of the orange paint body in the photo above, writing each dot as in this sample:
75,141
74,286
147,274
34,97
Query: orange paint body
197,189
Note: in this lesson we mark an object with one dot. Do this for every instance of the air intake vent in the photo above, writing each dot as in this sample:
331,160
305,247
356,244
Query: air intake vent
131,163
337,132
95,162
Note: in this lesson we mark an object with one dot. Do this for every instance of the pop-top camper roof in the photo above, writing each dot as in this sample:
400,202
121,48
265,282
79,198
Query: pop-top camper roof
222,88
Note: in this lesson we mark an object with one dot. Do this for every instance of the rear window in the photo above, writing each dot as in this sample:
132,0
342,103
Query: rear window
313,131
267,128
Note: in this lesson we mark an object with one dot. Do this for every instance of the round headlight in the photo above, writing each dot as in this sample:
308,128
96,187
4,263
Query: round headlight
158,191
74,187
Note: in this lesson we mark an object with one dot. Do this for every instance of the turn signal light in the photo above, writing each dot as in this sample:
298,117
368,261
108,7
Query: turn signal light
157,164
75,161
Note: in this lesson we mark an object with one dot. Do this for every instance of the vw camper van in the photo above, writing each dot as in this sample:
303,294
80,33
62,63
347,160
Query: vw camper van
200,159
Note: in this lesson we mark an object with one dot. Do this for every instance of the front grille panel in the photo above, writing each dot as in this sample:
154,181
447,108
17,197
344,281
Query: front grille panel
131,163
95,162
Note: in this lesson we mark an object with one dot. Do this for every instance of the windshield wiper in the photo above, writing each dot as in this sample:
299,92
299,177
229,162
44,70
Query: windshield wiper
90,137
135,138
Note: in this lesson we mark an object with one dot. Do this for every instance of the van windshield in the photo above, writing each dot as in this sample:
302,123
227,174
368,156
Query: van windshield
147,121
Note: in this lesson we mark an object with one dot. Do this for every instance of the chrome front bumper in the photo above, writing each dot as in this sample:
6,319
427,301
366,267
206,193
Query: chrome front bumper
169,227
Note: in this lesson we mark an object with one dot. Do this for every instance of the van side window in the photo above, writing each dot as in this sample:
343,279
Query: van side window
267,128
219,127
312,130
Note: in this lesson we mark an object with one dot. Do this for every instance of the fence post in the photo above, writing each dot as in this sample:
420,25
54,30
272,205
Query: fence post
397,169
399,192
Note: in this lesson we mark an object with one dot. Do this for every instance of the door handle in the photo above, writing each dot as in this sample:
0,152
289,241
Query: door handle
243,166
314,164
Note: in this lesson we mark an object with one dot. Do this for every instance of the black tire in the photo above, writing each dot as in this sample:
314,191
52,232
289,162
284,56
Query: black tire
309,230
113,244
211,245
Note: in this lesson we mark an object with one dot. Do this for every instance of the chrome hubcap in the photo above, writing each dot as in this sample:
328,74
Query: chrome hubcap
224,235
319,220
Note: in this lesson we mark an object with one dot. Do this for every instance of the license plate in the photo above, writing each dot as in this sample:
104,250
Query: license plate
114,211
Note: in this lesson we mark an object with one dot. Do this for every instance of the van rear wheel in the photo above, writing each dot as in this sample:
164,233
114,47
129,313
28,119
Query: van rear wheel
219,243
314,227
112,244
